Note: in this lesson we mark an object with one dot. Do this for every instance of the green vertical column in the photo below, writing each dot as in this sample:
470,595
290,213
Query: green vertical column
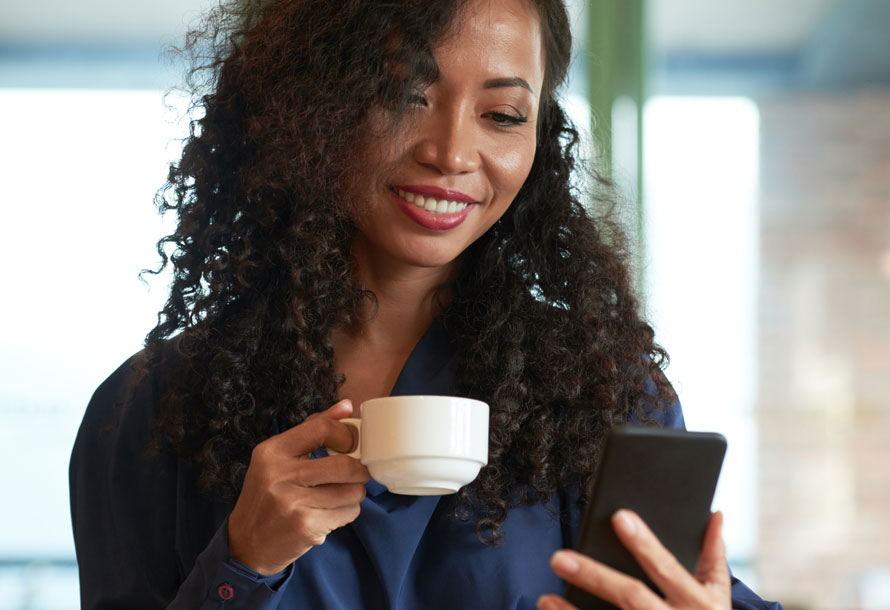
617,69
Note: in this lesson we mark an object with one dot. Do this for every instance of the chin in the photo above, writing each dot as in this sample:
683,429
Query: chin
430,257
431,262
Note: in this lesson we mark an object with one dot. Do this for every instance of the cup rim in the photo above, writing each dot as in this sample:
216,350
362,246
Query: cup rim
432,456
434,397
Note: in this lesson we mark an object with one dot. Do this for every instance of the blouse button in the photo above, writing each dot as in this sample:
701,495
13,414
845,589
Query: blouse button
225,592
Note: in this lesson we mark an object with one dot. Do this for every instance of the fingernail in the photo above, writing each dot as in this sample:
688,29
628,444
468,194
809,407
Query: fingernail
624,522
565,563
545,603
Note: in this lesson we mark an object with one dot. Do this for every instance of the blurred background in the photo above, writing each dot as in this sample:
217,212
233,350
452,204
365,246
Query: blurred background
751,139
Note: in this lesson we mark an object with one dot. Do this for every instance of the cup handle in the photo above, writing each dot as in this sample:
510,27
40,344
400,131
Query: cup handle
356,423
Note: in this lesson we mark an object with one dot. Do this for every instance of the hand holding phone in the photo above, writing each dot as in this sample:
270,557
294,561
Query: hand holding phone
668,478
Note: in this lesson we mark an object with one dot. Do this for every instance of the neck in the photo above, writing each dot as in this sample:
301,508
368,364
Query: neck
406,302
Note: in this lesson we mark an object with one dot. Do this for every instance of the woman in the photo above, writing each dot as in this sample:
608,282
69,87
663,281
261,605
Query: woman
376,201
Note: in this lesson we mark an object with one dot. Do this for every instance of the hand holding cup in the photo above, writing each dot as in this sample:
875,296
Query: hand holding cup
290,502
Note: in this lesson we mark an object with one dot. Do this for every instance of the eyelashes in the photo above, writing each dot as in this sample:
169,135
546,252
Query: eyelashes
402,97
507,120
502,119
414,99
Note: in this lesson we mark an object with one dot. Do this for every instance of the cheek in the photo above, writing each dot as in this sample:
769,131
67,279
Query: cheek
366,177
512,168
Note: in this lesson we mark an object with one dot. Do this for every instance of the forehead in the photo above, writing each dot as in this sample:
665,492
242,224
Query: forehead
503,37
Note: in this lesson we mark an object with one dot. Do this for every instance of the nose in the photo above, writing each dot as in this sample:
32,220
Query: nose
448,143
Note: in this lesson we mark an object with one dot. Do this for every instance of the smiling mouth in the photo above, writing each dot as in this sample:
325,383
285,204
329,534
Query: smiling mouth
431,204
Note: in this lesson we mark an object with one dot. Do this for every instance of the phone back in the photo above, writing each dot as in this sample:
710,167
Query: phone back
666,476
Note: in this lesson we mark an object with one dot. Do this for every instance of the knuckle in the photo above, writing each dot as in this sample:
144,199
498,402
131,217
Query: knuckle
260,453
301,522
634,595
592,577
348,468
313,429
318,539
301,477
340,461
324,429
327,424
359,471
305,430
353,513
266,480
664,568
286,506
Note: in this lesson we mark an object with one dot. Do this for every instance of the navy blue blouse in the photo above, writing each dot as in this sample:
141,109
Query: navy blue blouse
146,537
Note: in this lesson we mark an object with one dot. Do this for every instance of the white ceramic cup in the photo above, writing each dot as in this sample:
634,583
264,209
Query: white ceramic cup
422,445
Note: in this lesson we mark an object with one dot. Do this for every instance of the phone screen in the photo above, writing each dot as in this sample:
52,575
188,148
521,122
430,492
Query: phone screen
668,477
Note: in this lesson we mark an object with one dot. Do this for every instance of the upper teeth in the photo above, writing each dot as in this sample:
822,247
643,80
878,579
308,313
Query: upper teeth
431,204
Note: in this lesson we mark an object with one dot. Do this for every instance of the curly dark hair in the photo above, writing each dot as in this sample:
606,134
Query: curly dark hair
542,305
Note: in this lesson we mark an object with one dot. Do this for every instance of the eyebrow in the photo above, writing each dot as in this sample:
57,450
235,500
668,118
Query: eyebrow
514,81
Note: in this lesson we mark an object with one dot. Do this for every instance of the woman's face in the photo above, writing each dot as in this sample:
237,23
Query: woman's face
429,189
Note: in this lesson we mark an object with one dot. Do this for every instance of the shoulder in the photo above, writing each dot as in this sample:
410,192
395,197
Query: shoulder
131,392
664,416
127,390
114,459
121,413
655,410
123,492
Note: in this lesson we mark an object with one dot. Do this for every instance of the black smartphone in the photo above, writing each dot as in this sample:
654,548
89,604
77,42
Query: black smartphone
668,477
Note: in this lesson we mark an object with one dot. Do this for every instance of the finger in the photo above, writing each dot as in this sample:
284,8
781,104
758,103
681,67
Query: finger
554,602
339,410
668,574
328,470
712,567
316,431
605,582
319,523
332,496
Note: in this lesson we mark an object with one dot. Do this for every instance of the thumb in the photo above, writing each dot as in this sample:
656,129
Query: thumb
342,410
339,410
712,567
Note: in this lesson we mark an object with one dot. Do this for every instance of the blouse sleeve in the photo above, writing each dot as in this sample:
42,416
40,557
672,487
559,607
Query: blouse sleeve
124,506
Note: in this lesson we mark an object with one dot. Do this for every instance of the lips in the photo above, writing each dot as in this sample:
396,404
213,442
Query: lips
432,204
433,208
435,192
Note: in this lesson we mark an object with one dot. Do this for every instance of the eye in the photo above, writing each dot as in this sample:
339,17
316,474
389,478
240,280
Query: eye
402,95
414,98
503,119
